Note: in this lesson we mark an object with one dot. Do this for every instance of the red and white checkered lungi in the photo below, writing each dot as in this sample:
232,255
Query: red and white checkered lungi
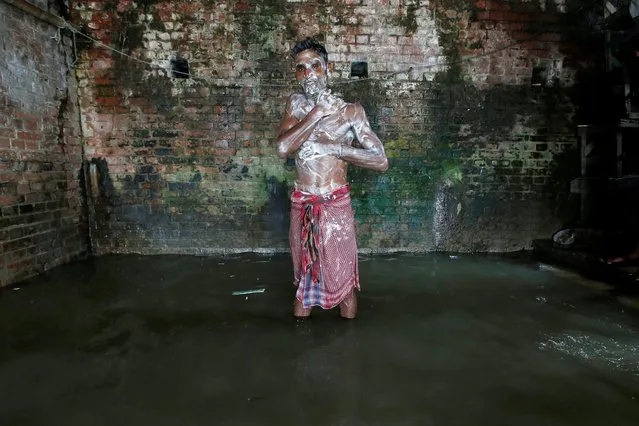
323,247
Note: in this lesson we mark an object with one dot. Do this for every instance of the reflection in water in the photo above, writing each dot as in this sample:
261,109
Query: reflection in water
439,217
444,214
162,340
621,353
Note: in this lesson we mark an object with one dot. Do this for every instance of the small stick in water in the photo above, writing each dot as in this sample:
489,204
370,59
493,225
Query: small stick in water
243,292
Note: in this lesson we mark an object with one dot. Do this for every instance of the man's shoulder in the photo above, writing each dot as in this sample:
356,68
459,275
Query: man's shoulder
355,105
297,100
354,109
297,97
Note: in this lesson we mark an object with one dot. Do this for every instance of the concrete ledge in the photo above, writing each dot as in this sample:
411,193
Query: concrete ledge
588,267
214,251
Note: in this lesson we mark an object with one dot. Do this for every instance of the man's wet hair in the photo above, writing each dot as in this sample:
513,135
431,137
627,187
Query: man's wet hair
312,44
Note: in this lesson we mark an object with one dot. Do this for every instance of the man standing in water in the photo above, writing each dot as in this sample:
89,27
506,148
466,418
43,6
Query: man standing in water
325,134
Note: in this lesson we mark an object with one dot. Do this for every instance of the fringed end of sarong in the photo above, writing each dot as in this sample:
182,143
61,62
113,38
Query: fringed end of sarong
311,294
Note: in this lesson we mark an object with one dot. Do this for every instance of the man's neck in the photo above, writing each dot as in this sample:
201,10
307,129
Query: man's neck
313,98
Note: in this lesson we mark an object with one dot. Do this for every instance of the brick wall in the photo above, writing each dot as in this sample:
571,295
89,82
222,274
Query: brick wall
188,165
41,220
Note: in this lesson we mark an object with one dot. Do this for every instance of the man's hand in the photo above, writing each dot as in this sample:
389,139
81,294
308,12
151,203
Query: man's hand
328,104
298,123
312,150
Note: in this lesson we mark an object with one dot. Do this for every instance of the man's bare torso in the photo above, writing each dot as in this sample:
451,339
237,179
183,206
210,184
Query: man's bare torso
320,174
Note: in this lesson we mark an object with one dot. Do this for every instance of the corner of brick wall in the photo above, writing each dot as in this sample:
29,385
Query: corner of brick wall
42,223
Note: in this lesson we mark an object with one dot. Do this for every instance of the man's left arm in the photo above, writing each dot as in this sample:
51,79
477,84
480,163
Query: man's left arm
371,155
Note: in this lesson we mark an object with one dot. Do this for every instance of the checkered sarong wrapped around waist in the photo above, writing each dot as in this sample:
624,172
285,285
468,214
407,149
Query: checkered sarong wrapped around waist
323,247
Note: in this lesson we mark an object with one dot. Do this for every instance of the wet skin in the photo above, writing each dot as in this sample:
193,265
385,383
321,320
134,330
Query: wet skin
325,134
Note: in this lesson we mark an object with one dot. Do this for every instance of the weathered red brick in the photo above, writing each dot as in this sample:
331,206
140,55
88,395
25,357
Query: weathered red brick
19,144
138,101
7,133
553,37
7,200
119,109
30,135
25,115
21,265
110,101
103,81
243,6
30,124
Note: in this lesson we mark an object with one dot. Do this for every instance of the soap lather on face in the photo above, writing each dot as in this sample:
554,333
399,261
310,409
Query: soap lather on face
311,72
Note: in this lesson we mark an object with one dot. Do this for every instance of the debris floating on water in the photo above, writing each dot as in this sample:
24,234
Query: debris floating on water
253,291
453,257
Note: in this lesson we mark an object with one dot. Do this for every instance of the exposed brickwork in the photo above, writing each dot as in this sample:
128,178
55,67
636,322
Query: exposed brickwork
41,221
188,165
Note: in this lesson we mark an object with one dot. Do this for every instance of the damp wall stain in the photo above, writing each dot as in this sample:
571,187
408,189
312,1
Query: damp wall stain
474,147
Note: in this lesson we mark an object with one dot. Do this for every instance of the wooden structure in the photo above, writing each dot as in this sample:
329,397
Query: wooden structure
617,138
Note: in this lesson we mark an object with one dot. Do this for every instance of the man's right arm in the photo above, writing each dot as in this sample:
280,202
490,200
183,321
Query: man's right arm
293,132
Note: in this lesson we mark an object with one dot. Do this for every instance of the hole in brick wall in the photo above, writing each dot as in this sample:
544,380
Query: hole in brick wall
359,69
538,76
180,68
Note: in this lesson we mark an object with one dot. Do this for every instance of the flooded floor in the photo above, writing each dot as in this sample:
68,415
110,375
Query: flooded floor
130,340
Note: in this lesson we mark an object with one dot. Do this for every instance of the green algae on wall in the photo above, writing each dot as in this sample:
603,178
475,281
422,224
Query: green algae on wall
263,26
407,18
209,134
420,164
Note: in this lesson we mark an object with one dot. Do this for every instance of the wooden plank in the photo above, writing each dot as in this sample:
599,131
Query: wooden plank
583,139
628,123
626,91
619,153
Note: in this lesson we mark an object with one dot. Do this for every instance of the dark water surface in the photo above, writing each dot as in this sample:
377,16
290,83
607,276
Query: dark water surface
131,340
